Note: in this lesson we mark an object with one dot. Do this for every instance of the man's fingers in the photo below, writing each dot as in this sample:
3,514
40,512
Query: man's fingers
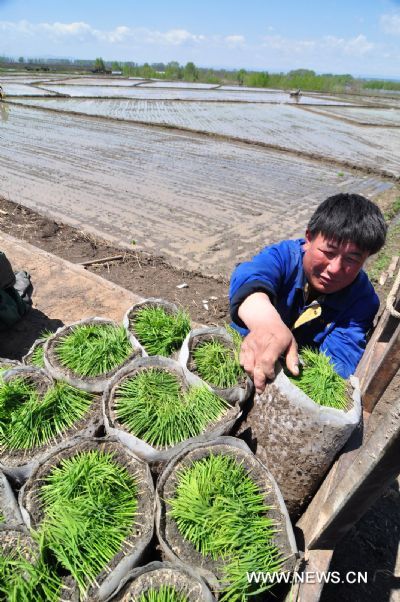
246,359
259,379
292,358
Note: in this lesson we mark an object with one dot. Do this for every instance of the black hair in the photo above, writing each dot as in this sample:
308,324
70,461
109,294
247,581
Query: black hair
350,218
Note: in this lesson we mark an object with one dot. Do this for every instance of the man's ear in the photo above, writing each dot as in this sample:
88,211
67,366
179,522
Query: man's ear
308,238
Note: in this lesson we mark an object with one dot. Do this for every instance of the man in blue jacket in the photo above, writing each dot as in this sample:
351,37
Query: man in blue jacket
310,291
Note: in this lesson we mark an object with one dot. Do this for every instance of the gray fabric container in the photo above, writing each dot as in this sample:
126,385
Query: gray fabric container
152,454
175,548
136,544
155,574
8,504
298,438
238,393
93,384
18,464
169,308
6,364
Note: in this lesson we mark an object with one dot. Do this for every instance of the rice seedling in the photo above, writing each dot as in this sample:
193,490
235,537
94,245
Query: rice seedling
37,357
164,593
218,364
154,407
24,580
28,420
159,332
89,503
219,509
93,349
2,518
319,380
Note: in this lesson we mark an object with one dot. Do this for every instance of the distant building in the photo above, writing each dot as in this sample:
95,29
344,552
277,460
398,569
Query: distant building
116,72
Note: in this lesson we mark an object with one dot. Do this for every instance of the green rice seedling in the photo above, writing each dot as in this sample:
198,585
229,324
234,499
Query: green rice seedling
22,580
153,407
217,364
89,503
164,593
159,332
28,420
93,349
219,509
37,357
319,380
2,518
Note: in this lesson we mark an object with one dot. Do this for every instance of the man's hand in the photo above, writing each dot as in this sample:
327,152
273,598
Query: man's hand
269,338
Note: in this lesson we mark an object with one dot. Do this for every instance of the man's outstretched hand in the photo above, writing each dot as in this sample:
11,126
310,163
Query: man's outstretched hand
269,338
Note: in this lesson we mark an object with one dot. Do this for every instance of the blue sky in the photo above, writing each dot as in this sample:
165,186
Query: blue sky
361,37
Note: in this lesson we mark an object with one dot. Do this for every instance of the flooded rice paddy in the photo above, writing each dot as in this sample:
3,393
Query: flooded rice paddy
198,195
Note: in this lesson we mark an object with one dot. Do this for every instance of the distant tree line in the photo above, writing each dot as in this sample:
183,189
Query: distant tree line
305,79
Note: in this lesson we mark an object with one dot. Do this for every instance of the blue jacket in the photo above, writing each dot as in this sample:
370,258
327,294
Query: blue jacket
346,316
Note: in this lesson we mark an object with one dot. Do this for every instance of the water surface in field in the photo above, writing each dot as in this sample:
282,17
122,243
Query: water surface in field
167,93
204,203
281,126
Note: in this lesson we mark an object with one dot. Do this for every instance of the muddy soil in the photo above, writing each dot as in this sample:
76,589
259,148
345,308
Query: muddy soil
142,273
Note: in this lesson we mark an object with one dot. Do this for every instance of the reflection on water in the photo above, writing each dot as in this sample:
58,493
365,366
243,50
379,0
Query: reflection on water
4,112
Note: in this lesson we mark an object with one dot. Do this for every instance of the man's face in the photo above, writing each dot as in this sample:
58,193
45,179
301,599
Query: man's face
328,266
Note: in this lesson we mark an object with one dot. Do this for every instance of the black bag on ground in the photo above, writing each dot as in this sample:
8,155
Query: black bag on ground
15,293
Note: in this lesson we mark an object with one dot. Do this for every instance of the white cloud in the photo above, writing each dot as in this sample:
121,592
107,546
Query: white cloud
84,32
391,24
288,45
234,40
357,47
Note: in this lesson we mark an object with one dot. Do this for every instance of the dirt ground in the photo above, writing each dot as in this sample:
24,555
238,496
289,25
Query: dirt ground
146,275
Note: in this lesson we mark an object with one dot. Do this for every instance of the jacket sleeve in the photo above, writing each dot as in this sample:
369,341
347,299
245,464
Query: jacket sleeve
264,273
346,343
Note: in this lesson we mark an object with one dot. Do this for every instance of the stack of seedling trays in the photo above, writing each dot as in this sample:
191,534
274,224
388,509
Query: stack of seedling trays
88,353
220,511
163,582
299,424
37,415
213,355
157,327
93,504
168,394
155,406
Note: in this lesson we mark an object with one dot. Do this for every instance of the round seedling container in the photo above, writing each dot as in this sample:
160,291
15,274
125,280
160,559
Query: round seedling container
6,364
220,511
157,326
94,502
10,515
88,353
154,406
165,580
24,572
298,437
39,415
35,355
213,355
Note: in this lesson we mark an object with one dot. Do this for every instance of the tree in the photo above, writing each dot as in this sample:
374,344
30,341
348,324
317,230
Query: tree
173,70
99,66
241,74
21,59
190,72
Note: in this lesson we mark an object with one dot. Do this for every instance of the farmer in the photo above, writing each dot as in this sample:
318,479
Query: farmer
310,291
